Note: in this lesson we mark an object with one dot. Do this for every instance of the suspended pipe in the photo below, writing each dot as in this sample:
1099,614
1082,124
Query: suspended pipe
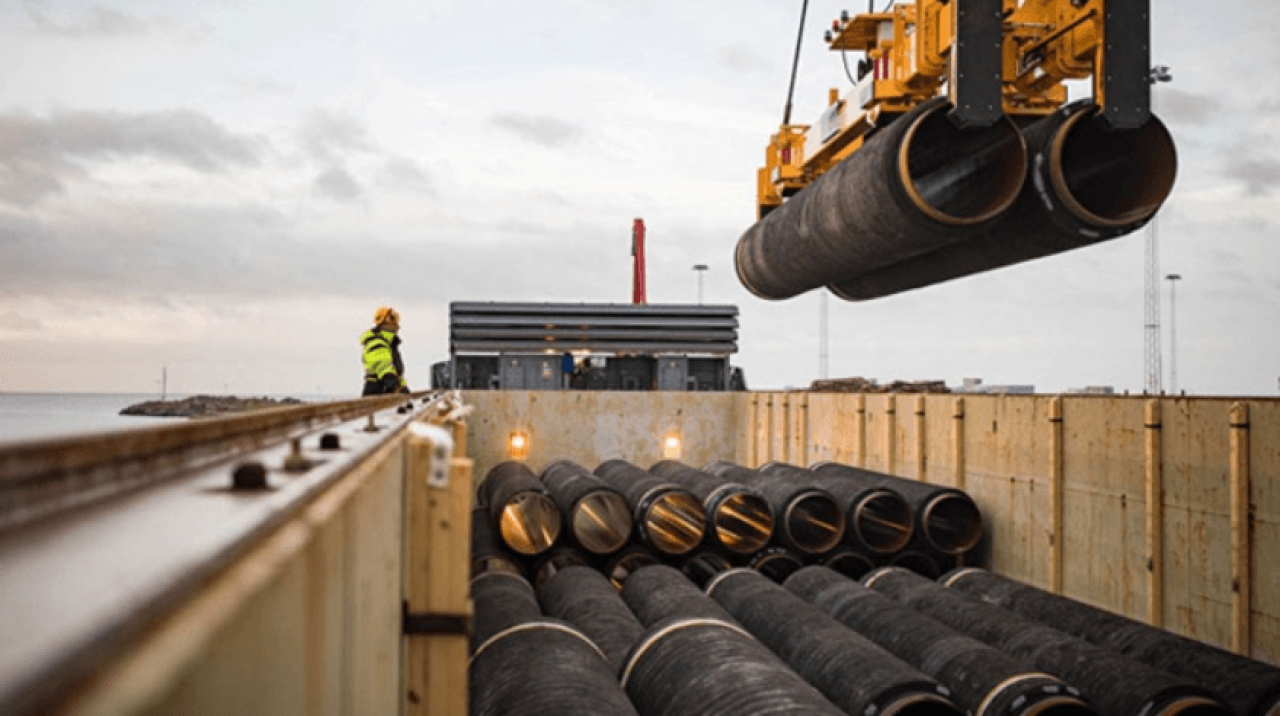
554,561
738,517
982,679
947,518
694,659
916,185
849,563
521,507
879,519
1116,685
1249,687
1087,184
588,600
487,552
668,517
776,563
851,671
623,564
598,516
806,518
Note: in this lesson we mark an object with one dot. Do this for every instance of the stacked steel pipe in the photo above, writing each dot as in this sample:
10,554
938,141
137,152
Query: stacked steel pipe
588,600
1118,686
807,518
853,672
738,517
525,664
668,518
521,509
695,659
982,679
598,516
1250,688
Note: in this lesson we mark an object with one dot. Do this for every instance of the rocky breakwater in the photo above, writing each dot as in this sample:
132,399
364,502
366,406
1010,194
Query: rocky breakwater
205,406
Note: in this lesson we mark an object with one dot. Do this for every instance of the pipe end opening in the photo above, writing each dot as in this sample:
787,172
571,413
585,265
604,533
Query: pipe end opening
743,523
1113,178
922,704
953,523
814,523
530,523
1193,706
883,521
850,564
602,522
1061,705
675,523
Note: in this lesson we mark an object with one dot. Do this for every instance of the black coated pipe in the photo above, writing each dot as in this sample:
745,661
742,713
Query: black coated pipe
915,186
487,552
982,679
776,563
1116,685
521,508
919,562
623,564
851,671
598,515
1249,687
659,593
806,518
1087,184
668,517
738,517
586,599
849,563
878,518
553,562
694,659
947,518
502,601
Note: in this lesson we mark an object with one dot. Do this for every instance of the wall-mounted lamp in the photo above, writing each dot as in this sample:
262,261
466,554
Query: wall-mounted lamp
518,445
671,446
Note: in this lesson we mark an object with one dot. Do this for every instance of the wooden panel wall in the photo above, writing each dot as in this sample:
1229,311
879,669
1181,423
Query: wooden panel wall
1066,484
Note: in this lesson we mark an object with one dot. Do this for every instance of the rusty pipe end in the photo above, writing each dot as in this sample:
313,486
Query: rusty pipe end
952,523
742,522
814,522
1111,179
674,522
961,177
530,523
882,521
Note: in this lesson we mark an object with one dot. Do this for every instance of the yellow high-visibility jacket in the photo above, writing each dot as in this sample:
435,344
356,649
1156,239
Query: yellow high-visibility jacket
381,355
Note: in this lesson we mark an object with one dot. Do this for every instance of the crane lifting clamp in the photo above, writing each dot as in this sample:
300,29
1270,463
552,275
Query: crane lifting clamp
990,58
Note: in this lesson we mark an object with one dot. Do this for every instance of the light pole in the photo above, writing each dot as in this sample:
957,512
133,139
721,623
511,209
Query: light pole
822,336
1151,278
700,269
1173,280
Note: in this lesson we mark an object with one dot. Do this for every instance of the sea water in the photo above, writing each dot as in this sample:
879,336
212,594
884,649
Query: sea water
35,416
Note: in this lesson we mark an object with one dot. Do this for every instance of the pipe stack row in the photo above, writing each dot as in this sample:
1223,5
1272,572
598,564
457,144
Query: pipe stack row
893,643
776,519
924,201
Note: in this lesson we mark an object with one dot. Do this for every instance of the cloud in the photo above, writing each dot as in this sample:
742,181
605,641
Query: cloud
1186,107
337,184
94,21
38,155
328,134
540,129
1260,174
14,322
401,174
741,57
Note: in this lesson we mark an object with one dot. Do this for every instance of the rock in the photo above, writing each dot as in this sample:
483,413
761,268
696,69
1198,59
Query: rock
203,406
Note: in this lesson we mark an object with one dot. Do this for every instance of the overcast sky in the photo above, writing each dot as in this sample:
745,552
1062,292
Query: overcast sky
231,188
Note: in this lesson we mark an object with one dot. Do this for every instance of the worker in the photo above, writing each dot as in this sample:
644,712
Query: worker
383,367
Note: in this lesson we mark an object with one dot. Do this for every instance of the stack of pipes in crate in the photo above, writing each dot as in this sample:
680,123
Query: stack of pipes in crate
786,590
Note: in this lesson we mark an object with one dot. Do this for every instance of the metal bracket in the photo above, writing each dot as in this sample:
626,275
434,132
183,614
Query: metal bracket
976,63
435,624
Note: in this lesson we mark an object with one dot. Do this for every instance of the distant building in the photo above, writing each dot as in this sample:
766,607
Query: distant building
1093,390
590,346
975,385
